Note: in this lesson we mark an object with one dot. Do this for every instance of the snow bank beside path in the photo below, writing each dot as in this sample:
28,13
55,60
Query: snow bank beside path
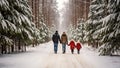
96,61
33,58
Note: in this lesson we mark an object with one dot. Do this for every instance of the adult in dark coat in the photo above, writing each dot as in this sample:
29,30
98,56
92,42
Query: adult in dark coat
56,39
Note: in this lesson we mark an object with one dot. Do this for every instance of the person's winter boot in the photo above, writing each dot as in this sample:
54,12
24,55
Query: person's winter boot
78,52
63,52
72,51
55,52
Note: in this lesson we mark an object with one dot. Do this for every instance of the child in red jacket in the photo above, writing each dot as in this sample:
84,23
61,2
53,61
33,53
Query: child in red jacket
72,46
78,46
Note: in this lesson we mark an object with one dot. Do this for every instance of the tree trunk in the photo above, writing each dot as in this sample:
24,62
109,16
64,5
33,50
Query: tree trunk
4,49
9,49
19,45
12,48
25,47
22,47
15,47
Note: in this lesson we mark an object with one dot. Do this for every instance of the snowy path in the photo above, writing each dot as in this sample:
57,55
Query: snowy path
43,57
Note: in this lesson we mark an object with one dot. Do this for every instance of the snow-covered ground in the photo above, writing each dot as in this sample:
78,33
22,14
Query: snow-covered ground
43,57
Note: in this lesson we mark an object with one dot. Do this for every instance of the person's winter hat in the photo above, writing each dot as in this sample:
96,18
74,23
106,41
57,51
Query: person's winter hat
56,31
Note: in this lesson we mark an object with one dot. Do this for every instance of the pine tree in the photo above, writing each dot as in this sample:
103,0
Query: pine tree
80,31
71,32
6,26
44,32
111,28
103,25
15,23
93,23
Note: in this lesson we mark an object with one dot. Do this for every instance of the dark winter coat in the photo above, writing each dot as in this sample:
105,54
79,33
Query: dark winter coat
56,38
72,44
78,46
64,39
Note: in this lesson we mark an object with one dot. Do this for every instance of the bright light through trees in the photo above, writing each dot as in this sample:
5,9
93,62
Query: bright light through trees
61,5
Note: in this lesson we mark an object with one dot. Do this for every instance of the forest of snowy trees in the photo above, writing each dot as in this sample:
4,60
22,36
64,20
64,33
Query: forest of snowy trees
102,29
16,27
104,25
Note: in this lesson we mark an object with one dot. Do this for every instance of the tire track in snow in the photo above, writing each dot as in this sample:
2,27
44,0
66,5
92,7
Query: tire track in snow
83,62
62,61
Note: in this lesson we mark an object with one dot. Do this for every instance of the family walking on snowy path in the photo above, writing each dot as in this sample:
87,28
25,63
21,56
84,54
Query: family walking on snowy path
64,41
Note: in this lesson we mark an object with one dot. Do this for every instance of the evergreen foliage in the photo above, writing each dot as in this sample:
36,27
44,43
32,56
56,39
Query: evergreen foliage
44,32
16,26
80,31
103,26
71,32
111,28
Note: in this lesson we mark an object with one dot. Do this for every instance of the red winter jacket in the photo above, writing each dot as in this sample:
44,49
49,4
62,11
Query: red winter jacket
72,44
78,46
